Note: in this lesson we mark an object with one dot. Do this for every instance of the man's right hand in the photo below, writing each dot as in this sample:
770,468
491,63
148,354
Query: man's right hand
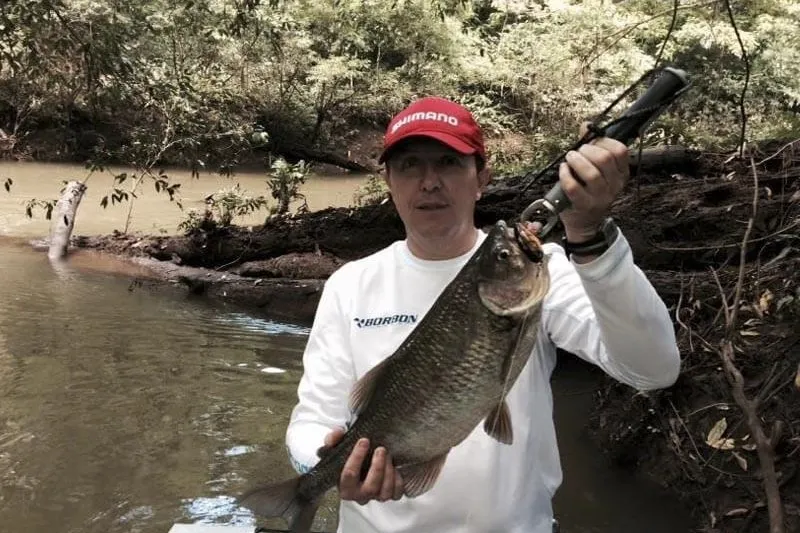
382,483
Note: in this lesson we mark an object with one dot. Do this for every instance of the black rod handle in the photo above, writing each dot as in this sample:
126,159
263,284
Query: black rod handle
666,86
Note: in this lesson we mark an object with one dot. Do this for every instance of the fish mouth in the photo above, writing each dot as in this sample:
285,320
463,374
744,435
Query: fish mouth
511,299
522,284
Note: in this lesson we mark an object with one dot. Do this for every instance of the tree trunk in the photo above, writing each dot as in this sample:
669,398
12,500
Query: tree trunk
63,219
310,154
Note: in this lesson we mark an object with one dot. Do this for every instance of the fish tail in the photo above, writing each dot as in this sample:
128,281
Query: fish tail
283,500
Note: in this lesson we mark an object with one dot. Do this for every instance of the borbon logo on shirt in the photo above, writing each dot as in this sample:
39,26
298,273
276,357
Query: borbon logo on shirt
385,320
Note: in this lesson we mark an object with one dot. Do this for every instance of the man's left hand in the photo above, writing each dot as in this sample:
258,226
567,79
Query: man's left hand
603,165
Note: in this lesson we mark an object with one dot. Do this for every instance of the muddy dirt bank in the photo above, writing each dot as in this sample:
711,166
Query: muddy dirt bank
685,221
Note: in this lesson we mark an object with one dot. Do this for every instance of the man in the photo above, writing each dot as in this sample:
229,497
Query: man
600,307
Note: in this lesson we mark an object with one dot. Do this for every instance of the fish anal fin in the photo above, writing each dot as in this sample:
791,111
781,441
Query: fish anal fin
419,478
498,424
365,387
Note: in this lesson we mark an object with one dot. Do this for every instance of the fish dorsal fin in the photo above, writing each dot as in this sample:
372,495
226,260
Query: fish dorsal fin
419,478
498,424
364,388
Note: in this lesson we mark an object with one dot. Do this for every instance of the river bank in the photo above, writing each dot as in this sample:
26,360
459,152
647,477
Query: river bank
77,144
685,222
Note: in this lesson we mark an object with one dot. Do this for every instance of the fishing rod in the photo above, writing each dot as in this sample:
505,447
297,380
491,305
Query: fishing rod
669,84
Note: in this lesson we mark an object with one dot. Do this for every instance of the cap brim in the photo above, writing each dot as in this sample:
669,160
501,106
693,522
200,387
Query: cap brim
445,138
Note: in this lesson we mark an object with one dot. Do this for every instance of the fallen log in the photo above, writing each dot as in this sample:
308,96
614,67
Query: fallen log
343,232
319,156
294,266
653,160
681,224
665,160
652,165
63,219
282,298
289,299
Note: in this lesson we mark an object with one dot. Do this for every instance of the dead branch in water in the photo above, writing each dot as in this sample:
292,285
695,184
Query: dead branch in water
750,407
64,219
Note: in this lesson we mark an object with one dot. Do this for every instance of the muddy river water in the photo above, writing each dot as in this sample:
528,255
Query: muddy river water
127,408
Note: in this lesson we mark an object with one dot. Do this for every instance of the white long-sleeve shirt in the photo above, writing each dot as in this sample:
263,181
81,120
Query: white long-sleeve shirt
605,311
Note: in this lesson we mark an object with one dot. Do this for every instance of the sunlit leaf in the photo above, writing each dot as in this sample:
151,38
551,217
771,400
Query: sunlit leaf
741,460
765,301
739,511
797,378
715,436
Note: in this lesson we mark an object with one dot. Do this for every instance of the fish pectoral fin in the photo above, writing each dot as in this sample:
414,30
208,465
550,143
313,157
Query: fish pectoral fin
364,388
419,478
527,335
498,424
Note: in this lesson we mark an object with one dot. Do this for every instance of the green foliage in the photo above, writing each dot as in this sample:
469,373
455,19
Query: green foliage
160,179
373,191
46,205
284,182
221,209
197,82
230,203
196,221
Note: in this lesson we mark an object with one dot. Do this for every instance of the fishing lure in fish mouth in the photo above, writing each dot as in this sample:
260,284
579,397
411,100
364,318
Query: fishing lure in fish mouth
525,235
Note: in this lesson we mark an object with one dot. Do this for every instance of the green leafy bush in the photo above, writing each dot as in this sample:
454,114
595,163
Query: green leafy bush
190,81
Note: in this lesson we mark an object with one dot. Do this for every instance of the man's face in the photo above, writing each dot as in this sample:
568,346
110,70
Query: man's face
434,188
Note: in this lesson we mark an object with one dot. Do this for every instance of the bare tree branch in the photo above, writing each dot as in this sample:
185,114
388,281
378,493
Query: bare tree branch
746,77
764,445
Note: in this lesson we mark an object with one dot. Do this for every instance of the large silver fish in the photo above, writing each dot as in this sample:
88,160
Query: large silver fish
453,371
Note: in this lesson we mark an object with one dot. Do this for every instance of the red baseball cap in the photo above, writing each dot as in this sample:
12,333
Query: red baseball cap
438,118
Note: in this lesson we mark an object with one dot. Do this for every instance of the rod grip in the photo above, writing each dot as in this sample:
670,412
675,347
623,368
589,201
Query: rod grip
665,86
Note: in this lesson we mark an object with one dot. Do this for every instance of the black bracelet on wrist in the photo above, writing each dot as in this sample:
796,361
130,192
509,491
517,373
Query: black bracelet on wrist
602,241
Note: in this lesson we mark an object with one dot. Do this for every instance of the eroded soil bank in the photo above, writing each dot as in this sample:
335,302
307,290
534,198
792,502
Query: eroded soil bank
685,215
